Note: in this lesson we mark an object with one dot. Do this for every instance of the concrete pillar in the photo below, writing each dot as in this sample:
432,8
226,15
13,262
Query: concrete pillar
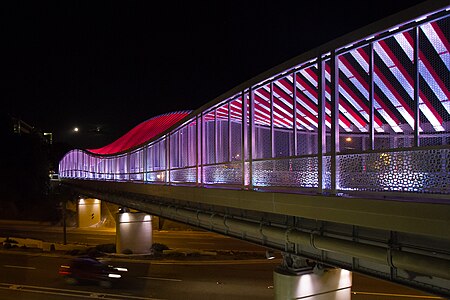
329,284
133,232
89,212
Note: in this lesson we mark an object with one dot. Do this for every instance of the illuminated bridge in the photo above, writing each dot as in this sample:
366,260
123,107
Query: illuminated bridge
340,155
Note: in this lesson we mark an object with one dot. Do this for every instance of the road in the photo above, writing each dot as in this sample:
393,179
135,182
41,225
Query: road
202,240
35,277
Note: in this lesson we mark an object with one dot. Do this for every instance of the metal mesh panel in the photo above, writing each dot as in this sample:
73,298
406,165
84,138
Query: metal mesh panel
185,175
283,112
191,156
296,172
354,101
209,138
434,65
175,149
230,173
326,179
394,87
283,142
236,130
156,176
307,110
263,146
222,134
422,171
262,121
306,143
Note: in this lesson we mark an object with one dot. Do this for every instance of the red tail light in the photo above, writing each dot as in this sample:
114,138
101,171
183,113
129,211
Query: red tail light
64,270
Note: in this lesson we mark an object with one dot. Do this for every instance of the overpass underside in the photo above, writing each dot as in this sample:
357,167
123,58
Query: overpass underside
404,242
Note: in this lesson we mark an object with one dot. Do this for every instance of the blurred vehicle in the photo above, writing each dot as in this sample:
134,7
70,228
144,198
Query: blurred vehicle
91,270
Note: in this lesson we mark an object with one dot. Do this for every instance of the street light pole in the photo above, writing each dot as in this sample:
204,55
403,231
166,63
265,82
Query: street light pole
64,222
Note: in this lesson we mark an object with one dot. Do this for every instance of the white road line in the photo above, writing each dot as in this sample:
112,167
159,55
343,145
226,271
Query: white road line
202,243
160,278
70,293
19,267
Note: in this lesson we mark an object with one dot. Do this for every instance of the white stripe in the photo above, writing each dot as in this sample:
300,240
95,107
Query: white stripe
19,267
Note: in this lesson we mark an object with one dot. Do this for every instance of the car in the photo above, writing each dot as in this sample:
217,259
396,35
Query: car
91,270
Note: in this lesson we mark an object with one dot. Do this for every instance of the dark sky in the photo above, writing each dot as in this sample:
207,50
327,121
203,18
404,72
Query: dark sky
112,65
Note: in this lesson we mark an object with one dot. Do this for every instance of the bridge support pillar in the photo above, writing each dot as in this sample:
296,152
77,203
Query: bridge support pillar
89,212
311,282
133,232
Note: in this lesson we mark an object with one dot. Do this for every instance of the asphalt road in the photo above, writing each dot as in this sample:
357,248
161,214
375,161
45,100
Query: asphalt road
36,277
201,240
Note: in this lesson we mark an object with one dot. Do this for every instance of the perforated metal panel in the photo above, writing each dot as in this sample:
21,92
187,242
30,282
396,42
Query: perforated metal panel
185,175
295,172
230,173
423,171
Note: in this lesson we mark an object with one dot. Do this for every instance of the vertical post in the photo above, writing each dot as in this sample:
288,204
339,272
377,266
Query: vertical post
334,119
168,157
202,150
294,110
197,129
416,87
229,132
244,136
64,204
321,136
272,136
216,146
251,96
371,100
144,163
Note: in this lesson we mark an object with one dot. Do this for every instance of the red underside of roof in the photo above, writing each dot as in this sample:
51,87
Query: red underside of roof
141,133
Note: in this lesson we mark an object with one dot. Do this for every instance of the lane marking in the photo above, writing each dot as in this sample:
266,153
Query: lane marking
19,267
203,243
97,238
395,295
160,278
67,292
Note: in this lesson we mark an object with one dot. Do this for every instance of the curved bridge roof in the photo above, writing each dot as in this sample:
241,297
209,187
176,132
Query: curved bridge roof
142,133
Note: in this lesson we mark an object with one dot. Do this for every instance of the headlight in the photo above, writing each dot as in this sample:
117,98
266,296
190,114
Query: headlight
121,269
114,275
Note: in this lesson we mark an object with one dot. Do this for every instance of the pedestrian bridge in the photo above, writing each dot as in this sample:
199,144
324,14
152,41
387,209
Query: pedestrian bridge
340,155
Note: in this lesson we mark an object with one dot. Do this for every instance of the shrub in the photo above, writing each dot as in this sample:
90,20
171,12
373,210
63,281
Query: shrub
158,248
106,248
127,251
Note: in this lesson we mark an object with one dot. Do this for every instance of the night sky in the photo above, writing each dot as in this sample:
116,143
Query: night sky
107,66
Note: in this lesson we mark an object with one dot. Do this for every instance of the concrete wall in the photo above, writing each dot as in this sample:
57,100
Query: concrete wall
134,232
89,212
331,284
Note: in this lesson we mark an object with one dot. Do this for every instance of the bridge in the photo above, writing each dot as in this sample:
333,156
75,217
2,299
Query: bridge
340,155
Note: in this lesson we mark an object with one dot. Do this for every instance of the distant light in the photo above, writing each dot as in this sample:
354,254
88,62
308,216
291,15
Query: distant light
348,139
147,218
114,275
81,201
76,129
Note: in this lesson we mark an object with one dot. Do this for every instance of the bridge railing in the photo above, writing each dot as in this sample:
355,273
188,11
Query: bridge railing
370,116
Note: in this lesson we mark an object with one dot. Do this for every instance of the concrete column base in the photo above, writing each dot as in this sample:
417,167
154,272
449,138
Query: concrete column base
332,284
133,233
